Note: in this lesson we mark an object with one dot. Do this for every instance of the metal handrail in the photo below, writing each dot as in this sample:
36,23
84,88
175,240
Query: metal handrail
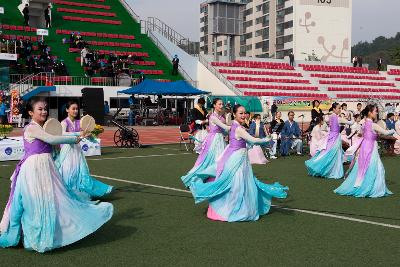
130,10
221,77
155,24
167,54
46,78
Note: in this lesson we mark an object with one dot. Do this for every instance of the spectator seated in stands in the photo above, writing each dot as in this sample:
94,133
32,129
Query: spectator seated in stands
291,136
76,40
109,65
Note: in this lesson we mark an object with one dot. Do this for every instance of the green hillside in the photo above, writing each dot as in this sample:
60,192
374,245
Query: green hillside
387,48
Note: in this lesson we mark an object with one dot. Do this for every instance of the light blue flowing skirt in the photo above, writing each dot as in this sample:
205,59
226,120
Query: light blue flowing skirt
216,148
237,195
74,170
45,213
373,184
327,163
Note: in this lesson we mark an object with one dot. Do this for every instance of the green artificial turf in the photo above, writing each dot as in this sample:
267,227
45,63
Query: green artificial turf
128,26
159,227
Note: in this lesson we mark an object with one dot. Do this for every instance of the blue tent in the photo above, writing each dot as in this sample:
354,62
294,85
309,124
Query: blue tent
151,87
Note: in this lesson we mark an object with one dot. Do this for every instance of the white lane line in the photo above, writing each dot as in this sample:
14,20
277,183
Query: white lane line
5,165
137,183
142,156
166,148
323,214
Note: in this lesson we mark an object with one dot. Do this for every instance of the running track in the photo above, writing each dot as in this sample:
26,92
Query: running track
147,135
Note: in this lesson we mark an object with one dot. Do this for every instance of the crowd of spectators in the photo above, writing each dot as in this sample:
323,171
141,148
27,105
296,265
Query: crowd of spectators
105,65
31,61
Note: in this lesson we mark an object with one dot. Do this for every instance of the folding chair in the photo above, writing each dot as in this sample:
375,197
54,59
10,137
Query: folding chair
185,137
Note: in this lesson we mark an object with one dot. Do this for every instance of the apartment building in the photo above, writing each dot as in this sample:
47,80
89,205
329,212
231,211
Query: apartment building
275,28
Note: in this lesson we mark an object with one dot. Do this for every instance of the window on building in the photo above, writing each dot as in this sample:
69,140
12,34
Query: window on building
248,23
263,55
264,20
280,54
248,12
280,4
263,32
264,45
265,8
248,35
280,16
288,24
280,29
289,10
288,38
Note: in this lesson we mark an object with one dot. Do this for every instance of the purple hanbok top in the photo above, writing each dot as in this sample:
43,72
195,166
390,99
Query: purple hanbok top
233,146
72,126
334,131
214,129
35,148
365,151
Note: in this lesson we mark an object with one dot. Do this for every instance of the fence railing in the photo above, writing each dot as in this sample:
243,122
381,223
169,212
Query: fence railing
155,24
130,10
45,78
160,46
221,77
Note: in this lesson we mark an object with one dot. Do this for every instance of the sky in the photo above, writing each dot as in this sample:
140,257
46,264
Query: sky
371,18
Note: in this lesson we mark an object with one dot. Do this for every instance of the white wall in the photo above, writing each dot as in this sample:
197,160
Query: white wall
75,91
208,82
198,72
187,62
329,30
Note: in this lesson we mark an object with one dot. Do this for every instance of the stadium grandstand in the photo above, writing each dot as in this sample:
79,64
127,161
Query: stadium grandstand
105,44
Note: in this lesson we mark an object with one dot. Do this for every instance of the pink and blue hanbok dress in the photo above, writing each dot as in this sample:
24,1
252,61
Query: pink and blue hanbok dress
328,162
366,176
74,169
41,210
236,194
213,146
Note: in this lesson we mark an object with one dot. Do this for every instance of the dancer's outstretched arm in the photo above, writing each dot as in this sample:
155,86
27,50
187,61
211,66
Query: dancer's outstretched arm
242,133
378,129
34,131
220,123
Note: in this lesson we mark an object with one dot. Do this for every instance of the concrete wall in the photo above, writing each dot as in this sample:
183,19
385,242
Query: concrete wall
206,80
325,27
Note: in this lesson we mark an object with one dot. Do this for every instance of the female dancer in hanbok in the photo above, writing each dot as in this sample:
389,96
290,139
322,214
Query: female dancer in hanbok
318,136
355,130
72,163
366,176
213,145
328,162
236,195
39,207
397,135
257,129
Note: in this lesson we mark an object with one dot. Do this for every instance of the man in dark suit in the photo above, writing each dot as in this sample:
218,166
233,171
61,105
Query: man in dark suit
175,65
47,16
379,64
25,11
256,128
199,119
390,123
291,59
291,136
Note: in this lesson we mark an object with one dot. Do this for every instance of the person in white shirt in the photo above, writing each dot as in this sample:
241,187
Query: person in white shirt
359,109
